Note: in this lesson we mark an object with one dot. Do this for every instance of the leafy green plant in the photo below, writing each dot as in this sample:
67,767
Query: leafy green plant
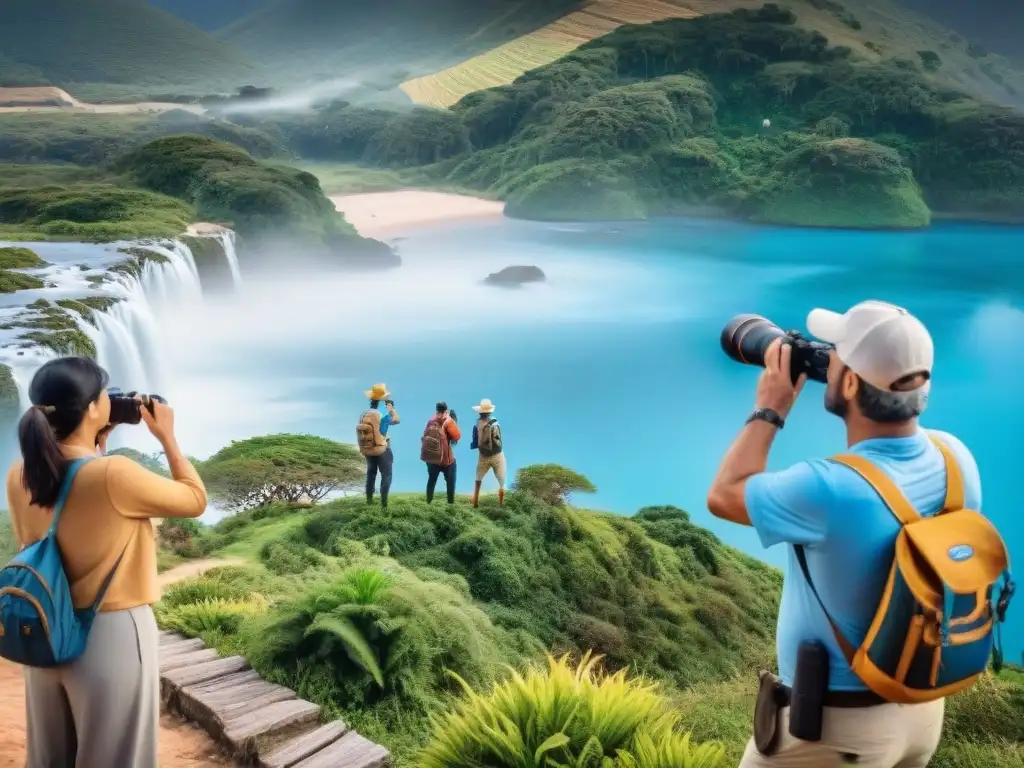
563,717
210,615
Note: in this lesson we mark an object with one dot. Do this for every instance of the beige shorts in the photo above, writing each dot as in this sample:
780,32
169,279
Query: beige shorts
905,735
496,464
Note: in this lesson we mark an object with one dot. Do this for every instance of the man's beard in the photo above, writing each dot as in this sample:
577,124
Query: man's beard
834,402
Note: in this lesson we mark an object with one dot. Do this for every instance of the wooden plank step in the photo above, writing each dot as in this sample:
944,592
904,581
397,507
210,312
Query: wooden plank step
187,659
170,637
247,733
180,644
173,680
213,706
350,751
227,681
304,745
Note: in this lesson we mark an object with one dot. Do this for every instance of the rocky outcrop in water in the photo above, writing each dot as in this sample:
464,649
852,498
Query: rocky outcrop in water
515,276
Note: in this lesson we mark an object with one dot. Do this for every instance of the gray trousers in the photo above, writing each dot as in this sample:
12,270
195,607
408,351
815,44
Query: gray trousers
103,710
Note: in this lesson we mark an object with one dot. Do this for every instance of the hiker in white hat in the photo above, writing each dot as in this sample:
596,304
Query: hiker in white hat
878,696
373,441
487,440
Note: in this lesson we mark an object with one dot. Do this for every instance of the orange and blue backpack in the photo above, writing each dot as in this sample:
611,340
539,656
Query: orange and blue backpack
948,590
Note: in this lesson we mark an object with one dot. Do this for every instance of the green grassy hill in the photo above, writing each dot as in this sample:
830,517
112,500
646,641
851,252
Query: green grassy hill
382,42
109,41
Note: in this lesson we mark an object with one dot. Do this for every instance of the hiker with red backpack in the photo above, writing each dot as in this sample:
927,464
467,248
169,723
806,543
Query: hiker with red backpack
895,584
487,440
374,443
439,436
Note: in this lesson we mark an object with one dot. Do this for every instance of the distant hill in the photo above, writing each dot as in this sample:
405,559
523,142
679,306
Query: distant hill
996,25
209,14
385,41
108,41
873,29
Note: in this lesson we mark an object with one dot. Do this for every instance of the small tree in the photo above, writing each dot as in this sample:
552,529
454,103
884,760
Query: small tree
552,483
255,472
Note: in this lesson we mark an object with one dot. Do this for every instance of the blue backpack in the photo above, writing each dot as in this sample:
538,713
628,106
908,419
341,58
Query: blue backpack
39,626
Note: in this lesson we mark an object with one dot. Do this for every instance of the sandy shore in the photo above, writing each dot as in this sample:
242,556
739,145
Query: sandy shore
386,213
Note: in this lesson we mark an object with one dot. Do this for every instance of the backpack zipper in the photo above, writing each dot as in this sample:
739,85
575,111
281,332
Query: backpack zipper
39,576
35,604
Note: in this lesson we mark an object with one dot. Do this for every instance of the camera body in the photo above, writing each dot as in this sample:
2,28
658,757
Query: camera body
746,339
125,409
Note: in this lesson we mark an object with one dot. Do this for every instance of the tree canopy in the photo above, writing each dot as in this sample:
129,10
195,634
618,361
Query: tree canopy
284,467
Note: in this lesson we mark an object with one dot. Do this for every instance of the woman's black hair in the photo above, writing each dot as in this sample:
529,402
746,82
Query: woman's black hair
60,392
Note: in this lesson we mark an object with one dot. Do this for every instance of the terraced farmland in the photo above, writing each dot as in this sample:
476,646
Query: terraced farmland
507,62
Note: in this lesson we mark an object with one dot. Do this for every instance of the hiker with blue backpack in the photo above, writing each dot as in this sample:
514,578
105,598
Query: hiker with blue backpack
76,601
895,586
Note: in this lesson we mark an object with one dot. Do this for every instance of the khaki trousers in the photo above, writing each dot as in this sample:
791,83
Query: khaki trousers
496,464
886,736
103,710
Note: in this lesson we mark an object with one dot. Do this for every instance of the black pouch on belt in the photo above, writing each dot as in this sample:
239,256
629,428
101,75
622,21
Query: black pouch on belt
810,684
766,713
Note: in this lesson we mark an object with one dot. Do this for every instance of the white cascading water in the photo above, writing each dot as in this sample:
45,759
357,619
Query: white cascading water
128,335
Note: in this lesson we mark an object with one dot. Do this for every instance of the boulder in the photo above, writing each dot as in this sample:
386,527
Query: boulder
515,276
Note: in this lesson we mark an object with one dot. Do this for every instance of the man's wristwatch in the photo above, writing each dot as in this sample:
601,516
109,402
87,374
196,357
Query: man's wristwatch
767,414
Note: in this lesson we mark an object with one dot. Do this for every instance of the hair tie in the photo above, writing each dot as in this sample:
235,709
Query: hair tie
47,409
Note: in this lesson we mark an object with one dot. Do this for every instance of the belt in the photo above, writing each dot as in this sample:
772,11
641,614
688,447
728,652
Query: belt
837,699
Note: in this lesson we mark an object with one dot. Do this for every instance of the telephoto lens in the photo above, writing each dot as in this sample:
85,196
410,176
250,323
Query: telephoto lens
746,338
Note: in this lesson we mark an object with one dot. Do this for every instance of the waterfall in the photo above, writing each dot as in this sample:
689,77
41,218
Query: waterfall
127,335
227,241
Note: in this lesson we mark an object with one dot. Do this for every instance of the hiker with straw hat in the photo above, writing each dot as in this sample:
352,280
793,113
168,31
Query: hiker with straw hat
374,444
487,440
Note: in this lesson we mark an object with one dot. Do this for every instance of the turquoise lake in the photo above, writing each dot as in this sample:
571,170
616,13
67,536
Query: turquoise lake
613,367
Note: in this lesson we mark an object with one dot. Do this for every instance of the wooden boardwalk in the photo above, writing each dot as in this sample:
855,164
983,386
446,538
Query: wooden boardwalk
257,723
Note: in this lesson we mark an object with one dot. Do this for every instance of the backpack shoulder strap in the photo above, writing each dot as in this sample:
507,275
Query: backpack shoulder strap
884,486
65,490
844,645
955,494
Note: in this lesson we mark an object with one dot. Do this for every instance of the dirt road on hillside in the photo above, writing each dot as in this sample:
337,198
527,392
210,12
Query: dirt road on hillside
182,745
49,99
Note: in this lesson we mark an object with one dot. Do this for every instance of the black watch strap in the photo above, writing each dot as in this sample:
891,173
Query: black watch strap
767,414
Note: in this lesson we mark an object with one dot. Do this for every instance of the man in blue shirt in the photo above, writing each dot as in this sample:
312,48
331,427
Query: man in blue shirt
879,377
374,443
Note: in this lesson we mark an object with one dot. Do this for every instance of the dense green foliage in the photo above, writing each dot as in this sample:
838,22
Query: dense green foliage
470,590
88,139
8,546
90,212
566,718
227,185
288,468
667,117
107,41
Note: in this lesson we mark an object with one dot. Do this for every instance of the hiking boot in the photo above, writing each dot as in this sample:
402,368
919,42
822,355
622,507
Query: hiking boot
476,493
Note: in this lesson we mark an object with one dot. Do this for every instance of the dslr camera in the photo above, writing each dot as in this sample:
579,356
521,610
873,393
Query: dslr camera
746,338
125,409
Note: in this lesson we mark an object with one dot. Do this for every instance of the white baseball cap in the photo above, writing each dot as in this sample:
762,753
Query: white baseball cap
880,342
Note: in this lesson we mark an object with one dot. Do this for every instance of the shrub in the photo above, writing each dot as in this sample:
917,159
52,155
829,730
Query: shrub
551,483
565,717
216,614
